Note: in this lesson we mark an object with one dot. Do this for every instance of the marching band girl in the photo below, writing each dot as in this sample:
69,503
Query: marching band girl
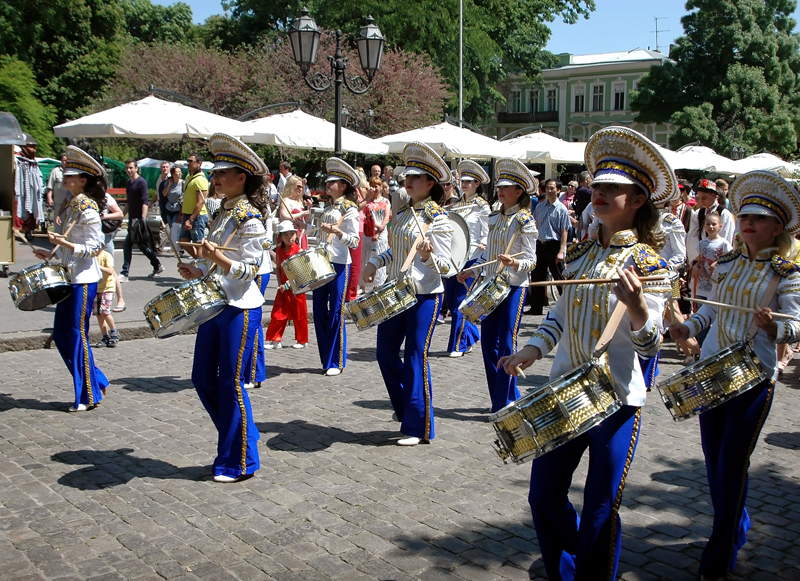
463,333
225,343
756,275
340,219
630,176
86,180
408,380
512,241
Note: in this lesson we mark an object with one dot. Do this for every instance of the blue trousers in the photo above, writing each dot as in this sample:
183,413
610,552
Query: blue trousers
649,369
729,433
257,365
408,381
463,334
328,303
223,346
586,547
499,338
71,336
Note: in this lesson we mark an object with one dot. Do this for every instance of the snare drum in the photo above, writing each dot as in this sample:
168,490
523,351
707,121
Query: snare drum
40,286
382,303
308,270
551,415
712,381
185,306
485,298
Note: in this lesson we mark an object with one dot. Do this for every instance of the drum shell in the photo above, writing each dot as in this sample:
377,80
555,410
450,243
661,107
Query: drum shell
548,416
459,245
711,381
382,303
40,286
308,270
185,306
485,298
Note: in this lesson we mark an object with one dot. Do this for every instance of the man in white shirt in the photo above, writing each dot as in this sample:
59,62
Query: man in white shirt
56,195
285,169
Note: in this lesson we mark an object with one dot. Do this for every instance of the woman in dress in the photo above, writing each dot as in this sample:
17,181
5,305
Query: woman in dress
758,275
291,207
408,380
378,213
512,245
475,210
339,225
86,180
225,343
630,177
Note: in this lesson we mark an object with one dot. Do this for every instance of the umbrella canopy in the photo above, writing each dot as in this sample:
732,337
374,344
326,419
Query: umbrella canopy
151,118
766,161
303,131
700,158
543,148
450,142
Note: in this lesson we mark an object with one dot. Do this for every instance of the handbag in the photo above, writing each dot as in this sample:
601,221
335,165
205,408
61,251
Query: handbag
109,226
369,223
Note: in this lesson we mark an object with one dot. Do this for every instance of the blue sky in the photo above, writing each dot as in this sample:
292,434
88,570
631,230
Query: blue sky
615,25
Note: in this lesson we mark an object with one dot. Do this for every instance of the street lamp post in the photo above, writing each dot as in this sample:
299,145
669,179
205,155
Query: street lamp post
304,38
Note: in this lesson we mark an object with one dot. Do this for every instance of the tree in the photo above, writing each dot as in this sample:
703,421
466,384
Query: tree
500,36
148,22
18,96
734,80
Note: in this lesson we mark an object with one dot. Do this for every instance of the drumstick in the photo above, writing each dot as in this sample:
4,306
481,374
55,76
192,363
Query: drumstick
481,265
172,243
19,235
567,282
520,373
780,316
200,245
64,235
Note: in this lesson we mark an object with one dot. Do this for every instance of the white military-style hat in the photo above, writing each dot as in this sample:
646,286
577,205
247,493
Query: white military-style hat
229,152
767,194
286,226
470,170
620,155
512,172
78,162
421,159
339,169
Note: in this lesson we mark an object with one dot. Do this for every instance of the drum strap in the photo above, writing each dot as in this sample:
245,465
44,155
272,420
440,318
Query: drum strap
329,237
766,299
413,252
611,328
509,247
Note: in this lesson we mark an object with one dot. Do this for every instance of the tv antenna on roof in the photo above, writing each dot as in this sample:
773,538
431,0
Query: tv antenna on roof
656,19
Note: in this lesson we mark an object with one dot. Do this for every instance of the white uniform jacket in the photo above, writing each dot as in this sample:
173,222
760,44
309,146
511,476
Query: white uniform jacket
502,227
340,247
674,251
476,215
88,238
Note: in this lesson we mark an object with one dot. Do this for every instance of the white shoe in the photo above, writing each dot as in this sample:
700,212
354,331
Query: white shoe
408,441
332,371
122,278
299,345
249,385
273,345
228,479
456,354
81,408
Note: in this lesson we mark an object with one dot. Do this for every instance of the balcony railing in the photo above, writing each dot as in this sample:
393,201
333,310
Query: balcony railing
539,117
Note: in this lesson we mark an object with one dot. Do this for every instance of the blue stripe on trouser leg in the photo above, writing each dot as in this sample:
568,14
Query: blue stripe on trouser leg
258,366
499,338
71,336
649,366
584,548
222,347
729,433
463,334
328,303
408,381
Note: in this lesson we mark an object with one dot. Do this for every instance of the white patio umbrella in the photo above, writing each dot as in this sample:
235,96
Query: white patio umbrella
303,131
450,142
700,158
151,118
766,161
544,148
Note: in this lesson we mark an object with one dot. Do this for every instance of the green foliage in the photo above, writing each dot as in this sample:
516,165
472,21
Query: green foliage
148,22
735,79
18,96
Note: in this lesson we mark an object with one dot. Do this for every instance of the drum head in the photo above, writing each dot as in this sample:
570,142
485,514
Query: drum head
459,247
45,297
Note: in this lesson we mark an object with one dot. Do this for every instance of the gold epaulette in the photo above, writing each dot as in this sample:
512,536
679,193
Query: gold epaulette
433,210
524,217
648,259
343,204
480,202
784,267
728,256
244,211
83,203
575,251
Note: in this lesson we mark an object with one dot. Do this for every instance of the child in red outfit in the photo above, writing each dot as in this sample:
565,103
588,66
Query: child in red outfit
287,306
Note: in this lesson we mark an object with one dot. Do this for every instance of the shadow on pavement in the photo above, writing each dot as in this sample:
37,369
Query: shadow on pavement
366,354
302,436
374,404
114,467
8,402
790,440
160,384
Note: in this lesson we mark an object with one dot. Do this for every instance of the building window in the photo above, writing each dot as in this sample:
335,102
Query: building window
598,92
551,100
515,102
619,96
533,101
579,100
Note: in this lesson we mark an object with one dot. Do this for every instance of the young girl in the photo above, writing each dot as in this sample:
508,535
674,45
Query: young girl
225,343
512,241
475,211
340,219
377,213
768,209
707,204
408,381
86,180
709,252
630,176
287,305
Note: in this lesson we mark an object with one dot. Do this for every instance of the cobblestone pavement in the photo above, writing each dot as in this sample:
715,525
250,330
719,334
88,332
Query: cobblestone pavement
124,492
